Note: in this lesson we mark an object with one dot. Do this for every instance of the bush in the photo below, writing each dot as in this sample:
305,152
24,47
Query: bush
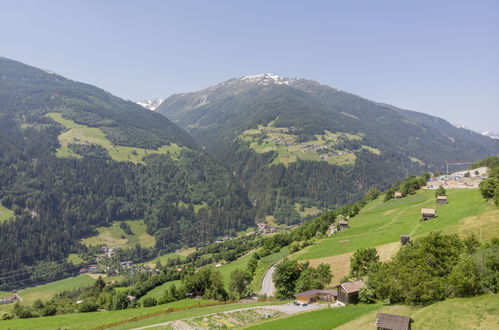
88,306
366,296
149,302
48,311
7,316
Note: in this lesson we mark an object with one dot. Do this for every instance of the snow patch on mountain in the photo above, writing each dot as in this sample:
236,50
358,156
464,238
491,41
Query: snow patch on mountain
151,104
490,134
267,79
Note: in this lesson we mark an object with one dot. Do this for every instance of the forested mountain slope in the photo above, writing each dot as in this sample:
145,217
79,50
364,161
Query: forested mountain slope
74,157
295,142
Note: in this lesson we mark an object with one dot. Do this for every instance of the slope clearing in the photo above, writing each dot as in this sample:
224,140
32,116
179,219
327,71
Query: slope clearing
83,135
114,235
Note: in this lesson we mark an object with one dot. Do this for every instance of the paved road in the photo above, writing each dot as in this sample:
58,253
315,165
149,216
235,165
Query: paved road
268,287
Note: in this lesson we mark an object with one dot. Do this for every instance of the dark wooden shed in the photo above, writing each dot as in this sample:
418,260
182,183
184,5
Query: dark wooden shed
441,200
343,224
404,239
427,214
392,322
349,292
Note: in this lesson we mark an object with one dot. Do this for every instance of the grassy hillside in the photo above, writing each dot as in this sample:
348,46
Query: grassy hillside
84,135
481,312
92,320
116,236
381,223
47,291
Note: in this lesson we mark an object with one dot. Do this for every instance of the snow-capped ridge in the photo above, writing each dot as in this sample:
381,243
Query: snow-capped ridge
151,104
267,79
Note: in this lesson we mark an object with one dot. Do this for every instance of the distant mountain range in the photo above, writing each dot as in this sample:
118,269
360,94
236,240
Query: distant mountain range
151,104
295,142
490,134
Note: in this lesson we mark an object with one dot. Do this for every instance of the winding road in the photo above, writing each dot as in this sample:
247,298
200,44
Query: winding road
268,287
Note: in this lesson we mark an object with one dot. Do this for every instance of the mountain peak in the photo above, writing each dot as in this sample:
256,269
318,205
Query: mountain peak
267,79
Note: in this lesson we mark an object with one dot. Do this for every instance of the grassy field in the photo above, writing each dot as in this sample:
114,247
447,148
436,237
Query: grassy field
115,236
263,265
47,291
381,223
159,291
75,259
81,134
481,312
307,211
322,319
5,213
270,138
91,320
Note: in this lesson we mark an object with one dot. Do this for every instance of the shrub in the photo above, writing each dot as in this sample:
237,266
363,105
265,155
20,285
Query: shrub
88,306
149,302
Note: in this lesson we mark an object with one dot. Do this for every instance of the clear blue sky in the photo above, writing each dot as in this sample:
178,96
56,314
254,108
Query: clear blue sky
438,57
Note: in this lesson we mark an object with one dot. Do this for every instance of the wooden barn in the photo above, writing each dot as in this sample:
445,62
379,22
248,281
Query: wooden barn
398,194
427,214
311,296
404,239
392,322
349,292
343,224
441,200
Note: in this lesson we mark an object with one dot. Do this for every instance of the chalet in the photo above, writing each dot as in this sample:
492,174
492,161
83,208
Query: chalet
427,214
398,194
392,322
349,292
441,200
404,239
311,296
343,224
8,300
126,264
93,268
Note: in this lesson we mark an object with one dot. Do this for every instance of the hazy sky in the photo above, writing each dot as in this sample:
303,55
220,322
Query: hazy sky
437,57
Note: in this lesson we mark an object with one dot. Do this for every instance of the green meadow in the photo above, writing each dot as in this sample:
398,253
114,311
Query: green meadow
47,291
95,319
262,139
81,134
159,291
115,236
380,223
5,213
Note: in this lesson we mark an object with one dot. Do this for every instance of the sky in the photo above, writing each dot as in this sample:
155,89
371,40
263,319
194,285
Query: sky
437,57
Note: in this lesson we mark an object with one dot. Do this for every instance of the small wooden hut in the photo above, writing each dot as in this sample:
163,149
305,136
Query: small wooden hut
392,322
311,296
427,214
343,224
441,200
404,239
349,292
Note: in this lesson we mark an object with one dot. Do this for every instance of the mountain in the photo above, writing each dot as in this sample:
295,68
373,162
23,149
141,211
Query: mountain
73,158
296,144
490,134
151,104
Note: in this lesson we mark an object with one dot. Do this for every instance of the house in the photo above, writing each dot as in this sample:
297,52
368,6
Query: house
441,200
349,292
427,214
343,224
404,239
126,264
93,268
311,296
398,194
392,322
